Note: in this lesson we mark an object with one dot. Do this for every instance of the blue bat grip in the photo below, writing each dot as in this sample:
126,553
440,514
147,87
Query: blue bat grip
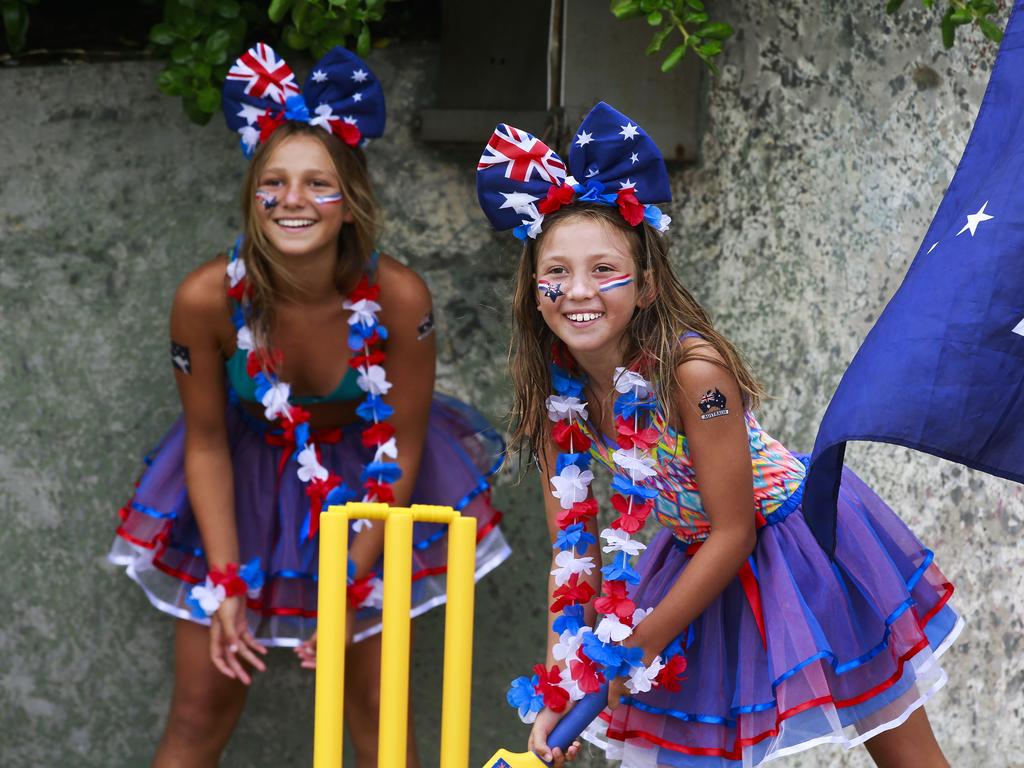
579,717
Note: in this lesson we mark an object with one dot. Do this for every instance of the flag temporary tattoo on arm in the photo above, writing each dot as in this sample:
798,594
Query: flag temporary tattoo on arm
327,199
180,358
712,405
426,326
551,290
614,282
269,201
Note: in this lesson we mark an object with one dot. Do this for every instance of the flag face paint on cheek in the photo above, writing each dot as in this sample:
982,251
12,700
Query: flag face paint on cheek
614,282
269,201
551,290
327,199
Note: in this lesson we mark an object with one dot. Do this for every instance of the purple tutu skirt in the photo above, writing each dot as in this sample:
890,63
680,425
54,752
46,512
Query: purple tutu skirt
849,647
159,545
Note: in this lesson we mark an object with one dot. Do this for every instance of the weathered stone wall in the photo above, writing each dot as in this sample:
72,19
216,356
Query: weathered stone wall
830,135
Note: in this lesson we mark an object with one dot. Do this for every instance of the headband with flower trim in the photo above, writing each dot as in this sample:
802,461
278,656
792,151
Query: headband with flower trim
341,95
617,162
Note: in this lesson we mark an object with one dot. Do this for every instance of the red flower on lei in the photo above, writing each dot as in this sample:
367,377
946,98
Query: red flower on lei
616,601
549,686
572,593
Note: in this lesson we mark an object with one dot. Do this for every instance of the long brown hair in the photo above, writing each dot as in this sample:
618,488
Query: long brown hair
265,267
653,335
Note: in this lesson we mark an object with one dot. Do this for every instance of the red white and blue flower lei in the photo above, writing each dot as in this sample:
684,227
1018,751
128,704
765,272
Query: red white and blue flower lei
324,488
590,656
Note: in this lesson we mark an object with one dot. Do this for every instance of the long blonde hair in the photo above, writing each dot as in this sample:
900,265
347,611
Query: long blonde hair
265,267
653,333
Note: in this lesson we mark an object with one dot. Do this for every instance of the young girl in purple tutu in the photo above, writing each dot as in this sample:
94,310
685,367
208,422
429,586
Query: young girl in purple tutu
305,365
734,638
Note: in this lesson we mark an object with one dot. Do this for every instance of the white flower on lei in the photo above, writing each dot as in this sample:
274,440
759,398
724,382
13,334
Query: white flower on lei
642,678
563,407
388,448
571,485
611,630
275,400
362,523
568,564
363,311
571,686
638,464
631,381
376,597
309,467
640,614
236,271
620,541
567,644
209,596
243,339
373,380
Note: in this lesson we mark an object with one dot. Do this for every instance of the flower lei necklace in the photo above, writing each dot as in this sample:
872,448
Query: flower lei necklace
324,487
592,656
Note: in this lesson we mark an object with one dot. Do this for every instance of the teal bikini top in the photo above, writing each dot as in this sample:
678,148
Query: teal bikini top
245,386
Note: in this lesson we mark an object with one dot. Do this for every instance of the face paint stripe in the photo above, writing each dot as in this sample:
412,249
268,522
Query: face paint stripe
614,282
325,199
269,201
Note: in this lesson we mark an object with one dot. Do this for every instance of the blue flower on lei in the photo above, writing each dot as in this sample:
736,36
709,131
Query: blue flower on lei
564,384
570,621
524,697
622,484
615,660
581,460
620,570
374,409
629,404
574,536
382,471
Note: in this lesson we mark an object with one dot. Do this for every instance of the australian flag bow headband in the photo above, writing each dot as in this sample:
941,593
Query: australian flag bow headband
341,95
612,161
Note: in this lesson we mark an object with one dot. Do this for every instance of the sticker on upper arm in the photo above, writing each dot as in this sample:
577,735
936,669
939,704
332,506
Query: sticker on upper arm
713,404
425,327
181,358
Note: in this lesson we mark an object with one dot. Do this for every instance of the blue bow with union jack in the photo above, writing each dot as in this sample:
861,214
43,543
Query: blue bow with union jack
612,161
341,95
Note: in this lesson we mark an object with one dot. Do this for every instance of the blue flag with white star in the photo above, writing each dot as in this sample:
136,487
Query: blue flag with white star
943,368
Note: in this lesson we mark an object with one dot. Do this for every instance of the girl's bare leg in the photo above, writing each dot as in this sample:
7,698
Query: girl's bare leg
911,745
362,703
205,706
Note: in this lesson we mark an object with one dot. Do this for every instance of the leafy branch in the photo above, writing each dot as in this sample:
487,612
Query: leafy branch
15,16
958,14
688,17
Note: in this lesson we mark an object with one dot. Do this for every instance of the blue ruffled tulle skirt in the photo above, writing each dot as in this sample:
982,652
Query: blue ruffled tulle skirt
850,646
159,545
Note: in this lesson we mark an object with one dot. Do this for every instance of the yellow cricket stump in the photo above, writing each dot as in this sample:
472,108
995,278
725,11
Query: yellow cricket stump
394,693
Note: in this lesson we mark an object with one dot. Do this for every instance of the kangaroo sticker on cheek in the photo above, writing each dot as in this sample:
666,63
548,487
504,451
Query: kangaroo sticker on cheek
269,201
426,326
180,357
327,199
551,290
712,405
614,282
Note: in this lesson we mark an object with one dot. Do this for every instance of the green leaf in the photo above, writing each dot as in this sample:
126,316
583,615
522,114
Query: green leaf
162,34
716,31
697,5
363,42
710,48
893,5
228,9
948,31
216,49
294,39
186,3
928,4
625,9
181,52
654,18
194,112
959,18
659,39
208,99
202,71
695,18
990,30
15,25
673,58
171,82
646,6
278,9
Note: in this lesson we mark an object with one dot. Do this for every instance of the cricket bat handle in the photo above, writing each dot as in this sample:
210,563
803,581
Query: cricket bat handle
579,717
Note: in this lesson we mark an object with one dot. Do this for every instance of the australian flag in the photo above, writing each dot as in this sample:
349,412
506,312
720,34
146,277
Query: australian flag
942,371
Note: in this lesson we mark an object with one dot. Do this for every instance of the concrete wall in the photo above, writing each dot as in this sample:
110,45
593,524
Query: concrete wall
831,133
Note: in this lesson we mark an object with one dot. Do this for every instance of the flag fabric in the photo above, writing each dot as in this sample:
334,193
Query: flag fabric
942,371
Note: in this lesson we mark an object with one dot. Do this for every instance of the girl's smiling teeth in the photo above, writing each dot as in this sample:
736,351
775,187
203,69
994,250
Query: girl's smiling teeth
584,317
295,223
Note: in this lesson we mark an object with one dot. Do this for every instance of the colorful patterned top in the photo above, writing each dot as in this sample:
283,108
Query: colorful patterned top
778,479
